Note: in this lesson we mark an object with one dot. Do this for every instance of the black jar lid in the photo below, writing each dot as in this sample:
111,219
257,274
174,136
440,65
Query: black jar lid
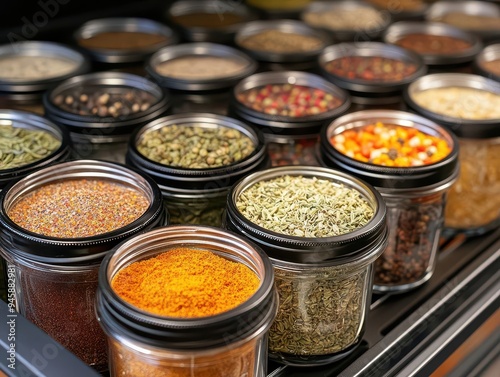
285,26
401,29
33,122
106,128
466,128
252,317
400,12
75,251
488,54
321,252
371,91
277,127
208,181
373,30
123,55
392,180
36,50
220,31
197,50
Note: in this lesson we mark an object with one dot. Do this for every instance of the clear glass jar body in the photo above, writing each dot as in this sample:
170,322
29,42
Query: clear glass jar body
60,301
322,309
245,359
229,344
415,224
196,208
474,200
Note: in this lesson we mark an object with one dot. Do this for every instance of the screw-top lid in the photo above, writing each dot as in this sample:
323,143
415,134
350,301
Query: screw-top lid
19,242
360,243
424,177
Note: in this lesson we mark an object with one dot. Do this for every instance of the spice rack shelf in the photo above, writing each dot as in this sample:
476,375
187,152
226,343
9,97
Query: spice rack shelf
405,334
413,333
409,334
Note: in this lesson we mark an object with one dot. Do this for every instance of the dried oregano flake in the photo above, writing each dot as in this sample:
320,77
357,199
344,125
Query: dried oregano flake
304,207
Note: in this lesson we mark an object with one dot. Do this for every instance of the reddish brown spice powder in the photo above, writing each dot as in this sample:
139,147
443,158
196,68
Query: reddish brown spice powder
78,208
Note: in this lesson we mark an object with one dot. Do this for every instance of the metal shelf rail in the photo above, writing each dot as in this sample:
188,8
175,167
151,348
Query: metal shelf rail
411,334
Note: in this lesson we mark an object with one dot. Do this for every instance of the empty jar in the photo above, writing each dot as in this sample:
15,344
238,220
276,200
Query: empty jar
56,226
148,336
412,162
322,229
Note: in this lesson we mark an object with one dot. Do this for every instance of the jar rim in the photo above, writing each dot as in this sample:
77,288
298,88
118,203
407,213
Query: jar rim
184,333
24,244
367,240
419,178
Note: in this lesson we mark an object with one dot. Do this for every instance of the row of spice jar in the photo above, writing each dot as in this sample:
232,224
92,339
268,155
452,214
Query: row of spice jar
414,163
107,110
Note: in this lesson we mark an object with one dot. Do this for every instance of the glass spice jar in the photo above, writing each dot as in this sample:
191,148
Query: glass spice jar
322,229
195,158
29,68
231,343
102,109
56,265
469,106
288,108
412,162
122,44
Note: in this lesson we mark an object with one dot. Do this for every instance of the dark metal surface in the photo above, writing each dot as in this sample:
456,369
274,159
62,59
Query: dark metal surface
412,334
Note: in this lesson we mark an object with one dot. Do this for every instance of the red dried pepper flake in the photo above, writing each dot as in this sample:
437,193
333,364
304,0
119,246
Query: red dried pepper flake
370,68
289,100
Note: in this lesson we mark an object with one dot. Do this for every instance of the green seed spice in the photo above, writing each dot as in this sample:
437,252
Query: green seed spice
20,146
318,314
304,207
195,147
78,208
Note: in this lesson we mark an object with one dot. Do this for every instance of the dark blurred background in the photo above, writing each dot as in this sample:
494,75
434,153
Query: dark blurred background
56,19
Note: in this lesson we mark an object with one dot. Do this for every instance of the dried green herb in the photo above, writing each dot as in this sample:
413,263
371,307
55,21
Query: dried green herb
195,147
304,207
319,314
20,146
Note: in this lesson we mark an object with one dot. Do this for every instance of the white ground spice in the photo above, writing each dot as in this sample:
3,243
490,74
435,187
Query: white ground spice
457,102
24,67
352,18
304,207
200,67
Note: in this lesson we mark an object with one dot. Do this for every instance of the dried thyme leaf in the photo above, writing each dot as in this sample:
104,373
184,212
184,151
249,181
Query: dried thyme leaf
304,207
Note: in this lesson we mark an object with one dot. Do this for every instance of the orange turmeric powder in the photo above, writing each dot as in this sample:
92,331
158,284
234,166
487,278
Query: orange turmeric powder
185,283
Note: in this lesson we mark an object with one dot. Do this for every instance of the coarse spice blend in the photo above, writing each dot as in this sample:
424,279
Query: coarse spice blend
57,224
78,208
322,230
194,301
